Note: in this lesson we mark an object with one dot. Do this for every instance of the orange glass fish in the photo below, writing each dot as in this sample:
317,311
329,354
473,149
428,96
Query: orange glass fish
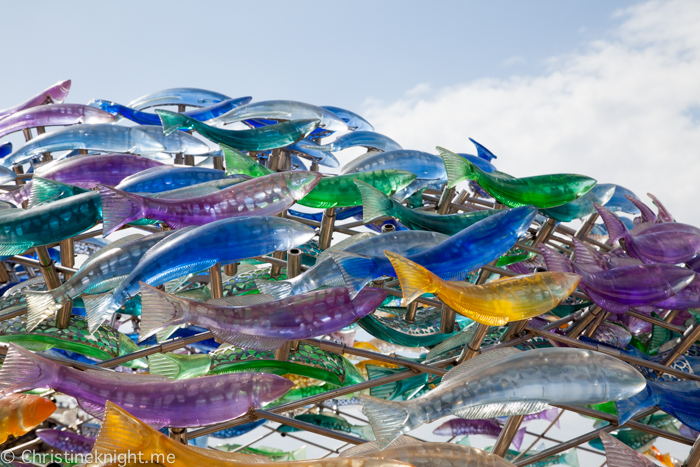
19,413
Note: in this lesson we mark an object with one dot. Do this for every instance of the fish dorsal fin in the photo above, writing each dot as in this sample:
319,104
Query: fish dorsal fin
587,258
170,237
44,190
109,247
242,300
127,377
186,193
621,455
647,214
344,244
502,409
479,361
364,449
230,456
247,341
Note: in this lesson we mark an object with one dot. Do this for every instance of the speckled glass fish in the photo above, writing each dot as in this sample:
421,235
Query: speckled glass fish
488,428
89,170
282,110
66,441
177,141
258,139
105,343
423,164
312,151
452,259
495,303
122,433
99,137
332,422
156,399
195,249
146,118
670,242
193,97
55,94
678,398
100,273
376,204
421,454
53,115
266,323
368,139
543,191
506,382
265,196
582,207
19,196
326,272
167,177
20,413
618,289
49,223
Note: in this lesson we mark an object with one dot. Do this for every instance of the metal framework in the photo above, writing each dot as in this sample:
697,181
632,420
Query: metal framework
583,322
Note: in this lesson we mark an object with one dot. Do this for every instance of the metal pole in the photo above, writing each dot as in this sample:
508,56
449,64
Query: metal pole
325,235
410,316
545,231
693,459
4,274
314,167
231,269
215,285
388,228
587,226
293,270
276,268
67,255
273,162
583,322
471,350
447,324
178,434
507,433
309,427
600,319
689,337
445,200
460,200
514,329
46,156
48,270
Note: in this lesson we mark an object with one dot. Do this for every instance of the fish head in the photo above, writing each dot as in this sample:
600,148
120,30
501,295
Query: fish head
288,233
306,126
143,143
301,183
268,388
519,218
563,284
96,115
604,192
678,278
444,430
105,106
35,409
400,179
623,380
58,92
368,300
581,184
192,145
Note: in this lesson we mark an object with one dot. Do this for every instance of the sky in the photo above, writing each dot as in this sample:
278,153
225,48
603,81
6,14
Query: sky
606,89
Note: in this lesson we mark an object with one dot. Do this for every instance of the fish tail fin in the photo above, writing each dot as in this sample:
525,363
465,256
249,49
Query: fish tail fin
555,261
616,229
97,307
366,432
388,419
415,280
518,438
278,289
44,190
22,370
40,306
571,458
457,168
647,214
374,203
664,214
238,163
118,208
121,433
618,453
164,364
628,408
172,121
159,310
357,270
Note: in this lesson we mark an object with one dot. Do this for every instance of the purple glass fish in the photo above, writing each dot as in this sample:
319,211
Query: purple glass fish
66,441
18,196
670,243
264,196
156,400
490,428
90,170
615,290
53,115
263,323
53,95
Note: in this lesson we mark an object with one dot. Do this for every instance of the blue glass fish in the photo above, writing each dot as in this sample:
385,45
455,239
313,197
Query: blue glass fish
310,150
238,430
483,164
368,139
168,177
619,201
678,398
354,121
5,149
599,194
482,152
470,249
193,97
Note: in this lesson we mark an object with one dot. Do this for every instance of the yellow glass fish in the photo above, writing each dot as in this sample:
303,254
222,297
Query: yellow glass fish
495,303
19,413
123,435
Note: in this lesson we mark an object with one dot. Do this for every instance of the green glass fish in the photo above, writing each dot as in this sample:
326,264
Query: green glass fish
637,440
256,139
332,422
273,454
306,360
542,191
567,458
105,343
401,390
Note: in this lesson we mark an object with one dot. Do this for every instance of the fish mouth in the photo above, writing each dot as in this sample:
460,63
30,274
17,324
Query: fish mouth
300,184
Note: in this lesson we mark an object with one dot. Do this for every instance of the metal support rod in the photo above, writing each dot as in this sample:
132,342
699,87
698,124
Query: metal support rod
671,315
273,161
277,268
587,226
471,350
231,269
293,262
460,200
600,319
583,322
215,285
67,255
23,260
410,316
388,228
447,323
689,337
545,231
179,159
189,159
655,322
314,167
514,329
693,459
178,434
48,270
614,353
445,200
4,274
165,346
325,235
273,417
507,434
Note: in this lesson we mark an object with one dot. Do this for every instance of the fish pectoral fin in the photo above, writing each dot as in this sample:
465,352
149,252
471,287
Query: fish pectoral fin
479,361
176,225
523,407
11,249
247,341
483,318
165,333
33,346
606,304
105,285
95,410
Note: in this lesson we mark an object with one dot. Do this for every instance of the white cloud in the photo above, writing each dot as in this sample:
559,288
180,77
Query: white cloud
621,111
